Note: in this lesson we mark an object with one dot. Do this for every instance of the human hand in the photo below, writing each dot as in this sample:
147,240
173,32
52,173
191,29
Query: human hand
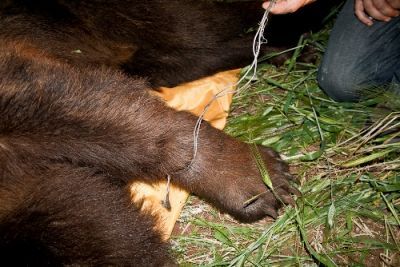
287,6
384,10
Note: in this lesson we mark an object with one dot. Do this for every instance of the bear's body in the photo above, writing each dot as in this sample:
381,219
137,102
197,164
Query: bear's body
76,125
169,42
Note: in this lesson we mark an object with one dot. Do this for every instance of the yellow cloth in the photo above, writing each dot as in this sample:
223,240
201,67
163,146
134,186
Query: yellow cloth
192,97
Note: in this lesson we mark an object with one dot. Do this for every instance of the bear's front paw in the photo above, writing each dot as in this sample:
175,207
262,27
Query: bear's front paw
234,183
252,198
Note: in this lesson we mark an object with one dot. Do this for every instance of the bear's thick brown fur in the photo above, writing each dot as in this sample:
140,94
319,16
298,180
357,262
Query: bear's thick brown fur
76,125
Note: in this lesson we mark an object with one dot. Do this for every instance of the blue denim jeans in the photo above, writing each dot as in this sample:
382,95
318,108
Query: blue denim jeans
359,58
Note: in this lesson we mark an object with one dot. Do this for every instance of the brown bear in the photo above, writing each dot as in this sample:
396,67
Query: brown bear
77,121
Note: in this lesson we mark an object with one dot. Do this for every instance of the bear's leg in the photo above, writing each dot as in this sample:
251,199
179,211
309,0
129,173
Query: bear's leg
73,216
109,122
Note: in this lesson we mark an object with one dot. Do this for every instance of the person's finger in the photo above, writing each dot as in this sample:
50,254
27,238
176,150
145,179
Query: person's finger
284,6
394,3
386,9
360,13
372,11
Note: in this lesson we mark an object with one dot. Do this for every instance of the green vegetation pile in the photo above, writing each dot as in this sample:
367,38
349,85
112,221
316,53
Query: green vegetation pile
346,157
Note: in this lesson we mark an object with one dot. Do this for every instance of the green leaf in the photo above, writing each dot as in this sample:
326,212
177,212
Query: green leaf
331,215
362,160
222,236
261,166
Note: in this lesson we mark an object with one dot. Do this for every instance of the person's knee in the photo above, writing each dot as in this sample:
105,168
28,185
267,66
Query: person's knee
341,87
